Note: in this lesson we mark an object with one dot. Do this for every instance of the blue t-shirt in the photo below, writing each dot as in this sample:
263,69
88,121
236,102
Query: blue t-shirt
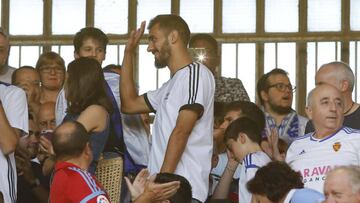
304,195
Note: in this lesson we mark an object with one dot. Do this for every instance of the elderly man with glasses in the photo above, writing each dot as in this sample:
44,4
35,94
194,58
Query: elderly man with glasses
276,95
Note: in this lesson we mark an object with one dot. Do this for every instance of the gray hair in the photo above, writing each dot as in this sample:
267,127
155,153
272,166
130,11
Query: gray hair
342,72
310,98
353,176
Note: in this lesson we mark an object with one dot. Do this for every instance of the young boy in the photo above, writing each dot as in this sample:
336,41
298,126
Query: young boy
242,138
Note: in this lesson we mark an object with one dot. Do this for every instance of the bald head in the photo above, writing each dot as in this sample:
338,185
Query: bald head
323,90
46,116
325,109
336,73
69,140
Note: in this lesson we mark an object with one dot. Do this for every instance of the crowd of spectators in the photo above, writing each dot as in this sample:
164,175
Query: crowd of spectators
208,142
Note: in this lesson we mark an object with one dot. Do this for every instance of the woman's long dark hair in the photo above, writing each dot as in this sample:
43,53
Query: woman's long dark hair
85,86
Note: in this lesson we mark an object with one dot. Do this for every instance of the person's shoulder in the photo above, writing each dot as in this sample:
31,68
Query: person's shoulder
299,142
302,118
261,157
95,109
306,195
303,138
77,177
229,80
11,91
349,130
256,159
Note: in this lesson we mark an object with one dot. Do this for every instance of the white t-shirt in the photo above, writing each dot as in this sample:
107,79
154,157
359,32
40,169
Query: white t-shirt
191,87
250,164
313,157
6,77
13,100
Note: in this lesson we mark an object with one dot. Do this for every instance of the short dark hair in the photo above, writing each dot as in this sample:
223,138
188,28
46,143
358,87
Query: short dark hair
72,143
170,22
206,37
85,86
243,125
90,32
274,181
248,109
263,83
183,194
13,76
219,112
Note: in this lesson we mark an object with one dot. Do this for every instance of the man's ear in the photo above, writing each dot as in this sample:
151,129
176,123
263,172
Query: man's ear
242,138
264,96
76,55
87,150
173,37
308,111
344,85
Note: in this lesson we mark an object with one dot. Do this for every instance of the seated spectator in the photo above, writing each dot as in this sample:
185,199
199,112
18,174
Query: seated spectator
226,89
332,144
276,95
228,178
274,147
278,183
232,111
33,186
28,79
342,185
159,188
340,75
5,70
71,181
46,122
46,117
243,137
14,122
51,68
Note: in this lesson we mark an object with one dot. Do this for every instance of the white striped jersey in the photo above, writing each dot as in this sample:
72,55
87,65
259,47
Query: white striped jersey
313,157
250,164
191,87
13,100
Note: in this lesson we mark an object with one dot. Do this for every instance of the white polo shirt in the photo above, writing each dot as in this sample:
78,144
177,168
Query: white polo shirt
313,157
13,100
191,87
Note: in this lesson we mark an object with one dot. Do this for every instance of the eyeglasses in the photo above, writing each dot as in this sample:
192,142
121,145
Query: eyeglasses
47,69
283,87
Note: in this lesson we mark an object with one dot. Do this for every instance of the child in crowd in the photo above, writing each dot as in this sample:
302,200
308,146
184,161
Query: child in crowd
242,139
274,146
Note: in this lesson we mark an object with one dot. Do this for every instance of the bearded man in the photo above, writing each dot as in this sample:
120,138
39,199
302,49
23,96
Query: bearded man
276,95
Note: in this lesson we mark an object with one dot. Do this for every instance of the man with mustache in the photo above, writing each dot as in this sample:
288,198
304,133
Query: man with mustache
276,94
